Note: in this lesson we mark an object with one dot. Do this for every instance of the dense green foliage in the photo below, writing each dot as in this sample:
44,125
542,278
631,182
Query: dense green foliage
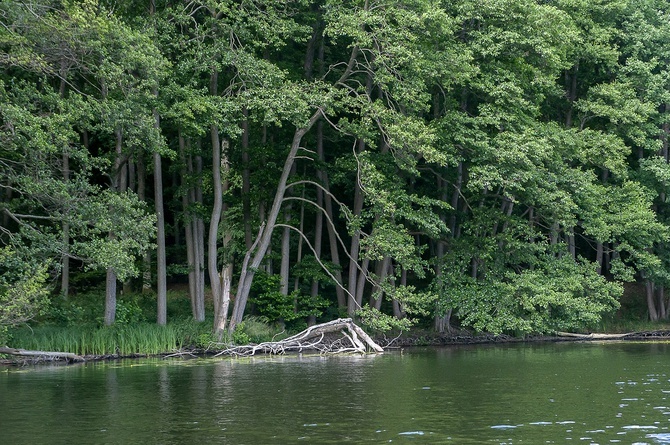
501,165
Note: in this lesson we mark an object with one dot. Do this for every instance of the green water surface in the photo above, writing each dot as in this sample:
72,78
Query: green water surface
581,393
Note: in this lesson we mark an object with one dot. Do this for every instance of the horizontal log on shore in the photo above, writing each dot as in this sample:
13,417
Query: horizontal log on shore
594,336
45,354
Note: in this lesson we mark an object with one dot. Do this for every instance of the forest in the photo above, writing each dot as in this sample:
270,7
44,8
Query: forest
498,165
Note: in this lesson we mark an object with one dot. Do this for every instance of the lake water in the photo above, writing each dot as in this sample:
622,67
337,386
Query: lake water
581,393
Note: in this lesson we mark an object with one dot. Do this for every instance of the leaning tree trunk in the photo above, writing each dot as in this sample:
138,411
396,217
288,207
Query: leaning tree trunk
264,238
256,253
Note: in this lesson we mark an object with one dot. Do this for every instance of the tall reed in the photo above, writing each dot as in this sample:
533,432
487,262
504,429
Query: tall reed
129,339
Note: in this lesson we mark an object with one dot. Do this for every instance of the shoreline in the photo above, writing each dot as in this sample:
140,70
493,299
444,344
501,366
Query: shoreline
405,341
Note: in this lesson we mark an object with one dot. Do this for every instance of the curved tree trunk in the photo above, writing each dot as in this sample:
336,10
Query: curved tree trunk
218,204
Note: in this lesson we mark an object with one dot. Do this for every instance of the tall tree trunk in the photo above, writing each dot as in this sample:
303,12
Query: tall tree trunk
212,254
199,236
354,248
119,185
318,240
161,265
222,295
65,262
65,258
443,321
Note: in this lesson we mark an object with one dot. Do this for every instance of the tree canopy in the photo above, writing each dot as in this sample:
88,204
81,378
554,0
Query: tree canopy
500,165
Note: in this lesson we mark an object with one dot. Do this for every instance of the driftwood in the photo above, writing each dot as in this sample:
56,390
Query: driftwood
594,336
318,338
41,354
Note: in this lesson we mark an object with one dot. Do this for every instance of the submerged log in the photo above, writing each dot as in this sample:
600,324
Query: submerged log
42,354
351,339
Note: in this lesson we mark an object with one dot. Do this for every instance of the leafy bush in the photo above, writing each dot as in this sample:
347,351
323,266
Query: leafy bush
23,292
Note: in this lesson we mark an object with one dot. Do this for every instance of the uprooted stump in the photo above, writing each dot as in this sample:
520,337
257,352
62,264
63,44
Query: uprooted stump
334,337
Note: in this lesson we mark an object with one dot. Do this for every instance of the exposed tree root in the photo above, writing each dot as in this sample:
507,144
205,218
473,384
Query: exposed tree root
318,338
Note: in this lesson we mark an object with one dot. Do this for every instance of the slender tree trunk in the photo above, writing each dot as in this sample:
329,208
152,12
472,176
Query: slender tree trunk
285,263
246,181
110,296
191,234
332,238
398,311
65,259
318,239
212,255
361,280
65,271
161,265
141,194
354,248
199,238
571,84
382,273
443,322
119,185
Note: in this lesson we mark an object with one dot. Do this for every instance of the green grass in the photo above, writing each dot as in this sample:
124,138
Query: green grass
130,339
621,326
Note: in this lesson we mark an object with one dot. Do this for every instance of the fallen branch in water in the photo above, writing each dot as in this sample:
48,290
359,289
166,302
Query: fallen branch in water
41,354
315,338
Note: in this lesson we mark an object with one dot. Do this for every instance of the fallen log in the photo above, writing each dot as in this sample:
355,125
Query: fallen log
45,354
594,336
353,339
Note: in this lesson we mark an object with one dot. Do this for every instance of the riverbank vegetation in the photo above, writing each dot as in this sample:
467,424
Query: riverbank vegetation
501,166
